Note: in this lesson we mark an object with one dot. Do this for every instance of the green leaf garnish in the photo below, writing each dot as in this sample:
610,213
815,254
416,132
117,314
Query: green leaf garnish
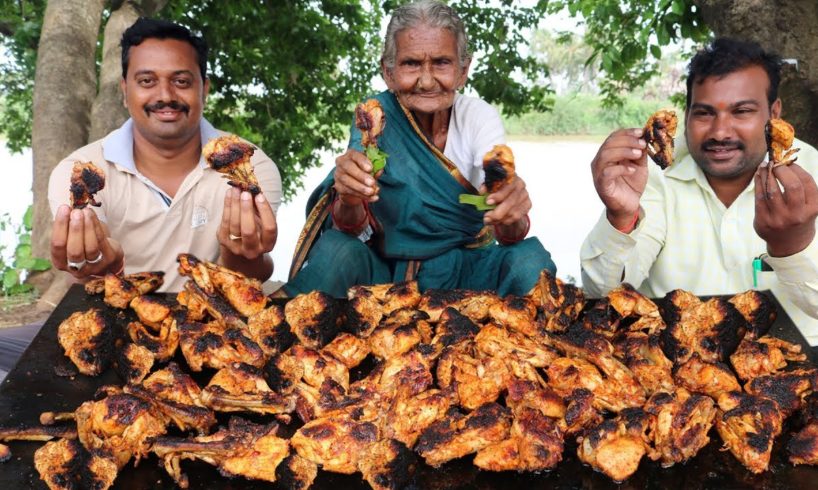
377,157
478,202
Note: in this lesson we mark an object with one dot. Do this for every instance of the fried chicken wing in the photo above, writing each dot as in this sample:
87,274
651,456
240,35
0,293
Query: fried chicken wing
87,338
163,344
780,136
616,447
371,120
763,356
709,378
454,328
498,165
658,133
457,435
682,423
86,180
558,303
244,294
748,425
229,155
66,465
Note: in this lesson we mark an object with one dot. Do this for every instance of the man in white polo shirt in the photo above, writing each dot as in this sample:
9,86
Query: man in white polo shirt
160,197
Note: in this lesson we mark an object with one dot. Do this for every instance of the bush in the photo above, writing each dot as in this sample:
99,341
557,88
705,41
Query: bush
583,114
14,268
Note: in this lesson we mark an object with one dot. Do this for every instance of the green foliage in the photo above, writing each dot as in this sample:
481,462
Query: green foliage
15,267
627,36
377,158
286,74
585,114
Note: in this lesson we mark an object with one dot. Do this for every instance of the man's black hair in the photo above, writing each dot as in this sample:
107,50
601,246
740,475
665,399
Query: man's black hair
145,28
725,56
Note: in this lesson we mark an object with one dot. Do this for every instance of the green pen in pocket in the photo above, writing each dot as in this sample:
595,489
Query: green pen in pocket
756,270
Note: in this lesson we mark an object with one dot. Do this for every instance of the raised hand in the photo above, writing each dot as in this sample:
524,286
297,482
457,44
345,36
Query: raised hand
80,244
785,218
620,175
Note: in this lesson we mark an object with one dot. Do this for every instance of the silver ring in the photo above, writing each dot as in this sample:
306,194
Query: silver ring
234,237
96,260
76,266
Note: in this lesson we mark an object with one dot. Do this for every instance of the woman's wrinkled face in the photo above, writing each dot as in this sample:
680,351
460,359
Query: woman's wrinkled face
427,70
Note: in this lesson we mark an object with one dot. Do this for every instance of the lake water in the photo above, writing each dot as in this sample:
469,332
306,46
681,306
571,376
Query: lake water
557,173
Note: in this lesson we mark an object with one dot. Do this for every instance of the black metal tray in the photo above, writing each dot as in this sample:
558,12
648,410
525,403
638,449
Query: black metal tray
33,387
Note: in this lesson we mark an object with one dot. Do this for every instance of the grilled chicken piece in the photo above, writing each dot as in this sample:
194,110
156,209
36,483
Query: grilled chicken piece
318,367
803,447
615,447
270,331
675,302
241,388
580,342
517,313
370,119
363,315
453,328
391,296
145,282
473,304
44,432
194,303
758,309
86,180
215,306
558,303
121,290
387,465
163,344
457,435
190,266
337,443
748,425
580,412
87,337
658,133
477,378
624,309
498,165
755,358
313,318
568,374
134,362
177,396
408,417
712,329
243,293
501,343
682,423
296,473
151,310
535,441
120,424
66,465
216,346
709,378
644,357
780,136
245,449
229,155
399,333
348,349
788,389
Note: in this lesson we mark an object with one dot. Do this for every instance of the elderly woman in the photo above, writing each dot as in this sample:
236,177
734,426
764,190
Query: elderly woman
406,222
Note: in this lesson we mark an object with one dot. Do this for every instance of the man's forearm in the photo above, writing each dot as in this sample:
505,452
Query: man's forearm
260,268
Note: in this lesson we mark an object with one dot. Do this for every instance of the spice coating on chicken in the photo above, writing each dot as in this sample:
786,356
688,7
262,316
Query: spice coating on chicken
241,388
559,304
498,165
473,304
296,473
336,443
87,338
780,136
134,362
712,329
682,423
371,120
644,357
269,329
409,416
755,358
709,378
313,318
66,465
615,447
758,309
213,345
387,465
658,133
748,425
803,447
789,389
229,155
86,180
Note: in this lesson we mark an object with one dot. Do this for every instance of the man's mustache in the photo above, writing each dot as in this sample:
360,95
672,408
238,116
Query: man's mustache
173,105
722,145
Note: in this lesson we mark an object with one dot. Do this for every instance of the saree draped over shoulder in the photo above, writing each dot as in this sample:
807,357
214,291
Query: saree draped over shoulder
421,231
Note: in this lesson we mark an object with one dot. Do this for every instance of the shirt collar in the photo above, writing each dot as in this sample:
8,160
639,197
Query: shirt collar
117,147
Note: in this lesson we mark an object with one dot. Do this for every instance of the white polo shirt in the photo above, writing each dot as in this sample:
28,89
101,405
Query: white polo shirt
153,228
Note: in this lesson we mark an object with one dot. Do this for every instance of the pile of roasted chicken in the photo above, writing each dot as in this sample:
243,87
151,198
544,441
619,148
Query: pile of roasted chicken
391,377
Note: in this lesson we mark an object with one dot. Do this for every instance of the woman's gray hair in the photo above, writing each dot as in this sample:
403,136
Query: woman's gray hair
425,12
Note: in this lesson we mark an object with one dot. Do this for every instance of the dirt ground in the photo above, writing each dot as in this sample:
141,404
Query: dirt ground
21,314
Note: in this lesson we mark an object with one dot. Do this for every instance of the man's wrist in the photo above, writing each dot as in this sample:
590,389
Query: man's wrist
623,222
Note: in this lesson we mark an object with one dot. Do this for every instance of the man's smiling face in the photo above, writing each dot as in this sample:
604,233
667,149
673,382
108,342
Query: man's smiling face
724,124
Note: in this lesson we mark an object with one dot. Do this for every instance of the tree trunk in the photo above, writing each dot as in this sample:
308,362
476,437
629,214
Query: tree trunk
786,27
64,87
108,111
